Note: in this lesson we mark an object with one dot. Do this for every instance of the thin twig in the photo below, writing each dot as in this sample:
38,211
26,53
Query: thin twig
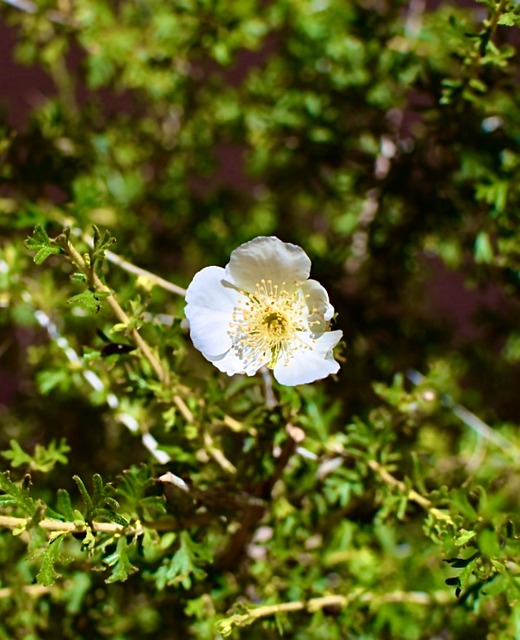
411,494
77,258
57,526
95,381
138,271
160,372
270,398
251,516
217,455
23,5
10,522
412,26
390,481
317,604
31,7
470,419
493,22
32,590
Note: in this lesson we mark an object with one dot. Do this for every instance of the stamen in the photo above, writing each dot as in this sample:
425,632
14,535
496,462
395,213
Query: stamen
267,323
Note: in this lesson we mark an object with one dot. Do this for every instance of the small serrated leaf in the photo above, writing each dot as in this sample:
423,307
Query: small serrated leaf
122,567
38,238
111,517
496,585
88,300
41,244
489,543
44,253
64,505
99,503
16,454
483,249
102,242
97,483
84,493
14,495
461,563
509,19
78,277
43,459
47,575
111,503
464,537
183,566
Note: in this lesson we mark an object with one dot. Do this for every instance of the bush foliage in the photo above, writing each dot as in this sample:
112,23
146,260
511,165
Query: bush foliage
145,495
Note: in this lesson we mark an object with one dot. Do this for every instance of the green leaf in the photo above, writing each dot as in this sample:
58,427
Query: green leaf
122,567
496,585
47,575
64,505
100,504
483,248
133,487
150,542
84,495
462,504
49,379
466,573
488,543
78,586
78,277
461,563
88,300
478,85
183,566
16,454
464,537
509,19
44,458
42,244
102,243
14,495
111,516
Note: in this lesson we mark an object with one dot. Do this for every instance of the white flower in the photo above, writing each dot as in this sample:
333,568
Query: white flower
262,310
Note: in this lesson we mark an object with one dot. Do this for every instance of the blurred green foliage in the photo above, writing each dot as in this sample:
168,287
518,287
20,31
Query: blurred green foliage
150,496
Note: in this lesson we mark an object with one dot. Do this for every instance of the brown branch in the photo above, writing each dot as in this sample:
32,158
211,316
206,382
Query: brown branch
49,524
161,373
31,7
138,271
411,494
77,258
32,590
316,604
254,513
389,480
59,526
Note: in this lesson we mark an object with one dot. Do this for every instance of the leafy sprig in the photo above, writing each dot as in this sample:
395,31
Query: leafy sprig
44,458
100,503
43,245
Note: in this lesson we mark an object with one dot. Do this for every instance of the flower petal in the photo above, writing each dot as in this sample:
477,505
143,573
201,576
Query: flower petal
318,300
231,364
268,258
209,309
308,365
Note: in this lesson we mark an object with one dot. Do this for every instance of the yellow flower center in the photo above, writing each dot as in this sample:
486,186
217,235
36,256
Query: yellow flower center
276,324
267,322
